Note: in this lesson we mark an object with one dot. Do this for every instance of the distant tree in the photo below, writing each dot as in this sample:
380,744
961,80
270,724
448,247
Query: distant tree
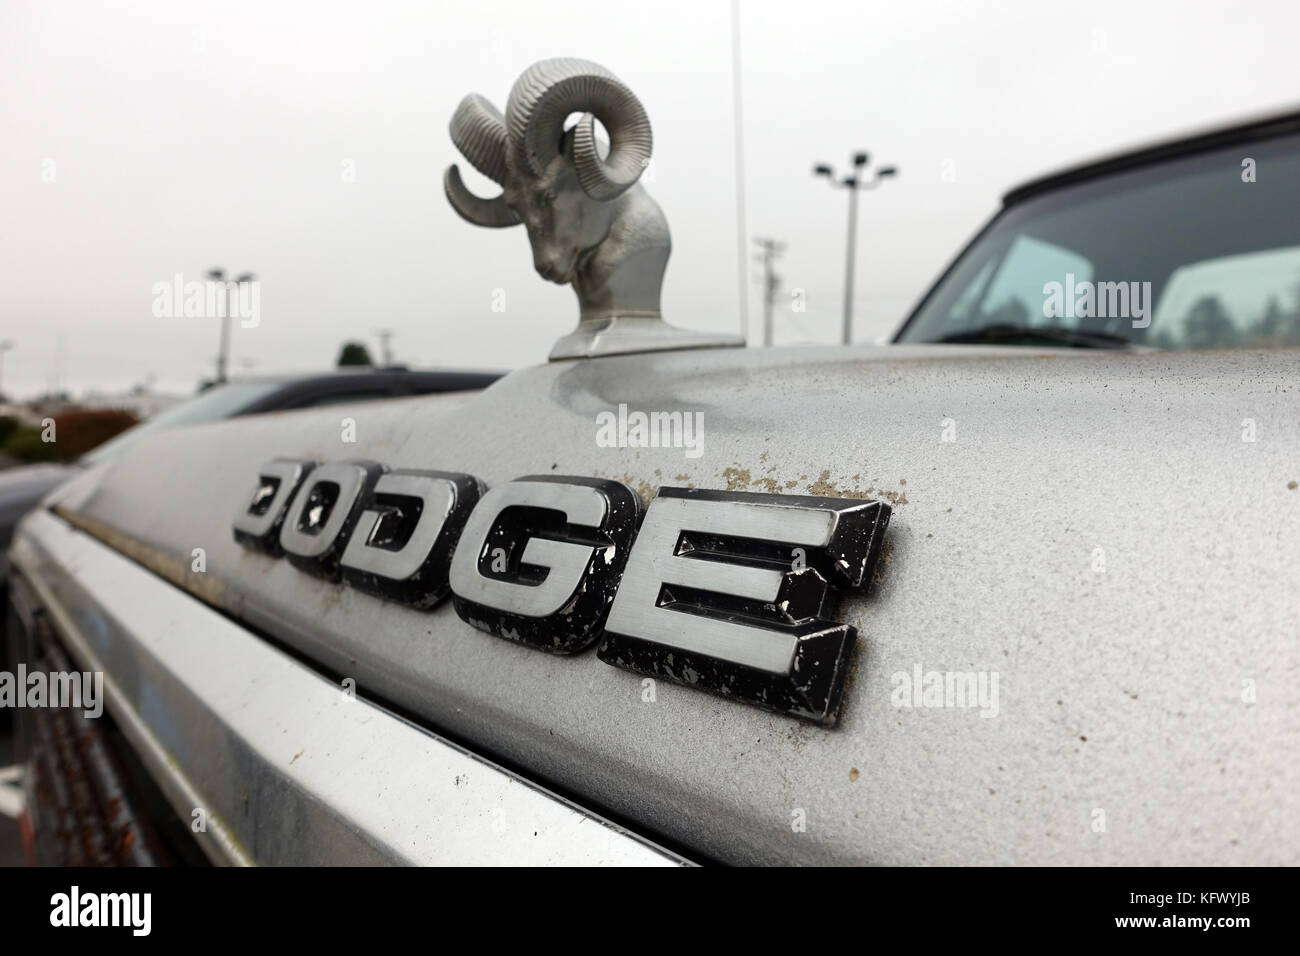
1275,328
24,443
77,431
1270,323
1207,325
354,353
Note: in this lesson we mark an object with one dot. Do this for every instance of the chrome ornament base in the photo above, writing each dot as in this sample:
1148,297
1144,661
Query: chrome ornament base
626,333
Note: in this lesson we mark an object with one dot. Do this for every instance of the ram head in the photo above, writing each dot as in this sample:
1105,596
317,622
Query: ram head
589,222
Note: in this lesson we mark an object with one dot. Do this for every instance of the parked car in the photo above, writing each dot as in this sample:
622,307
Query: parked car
22,488
1017,589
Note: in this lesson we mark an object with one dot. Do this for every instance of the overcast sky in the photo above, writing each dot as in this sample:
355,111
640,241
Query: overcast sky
144,140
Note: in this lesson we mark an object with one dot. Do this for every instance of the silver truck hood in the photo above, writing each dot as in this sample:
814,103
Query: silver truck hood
1099,536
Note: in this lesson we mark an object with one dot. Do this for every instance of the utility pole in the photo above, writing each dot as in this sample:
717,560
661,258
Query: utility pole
385,336
854,183
232,292
769,251
56,375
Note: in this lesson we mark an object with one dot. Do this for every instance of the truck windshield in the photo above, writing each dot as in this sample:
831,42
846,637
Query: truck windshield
1192,253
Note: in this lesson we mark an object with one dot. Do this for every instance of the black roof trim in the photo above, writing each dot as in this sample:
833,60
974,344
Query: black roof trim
1263,127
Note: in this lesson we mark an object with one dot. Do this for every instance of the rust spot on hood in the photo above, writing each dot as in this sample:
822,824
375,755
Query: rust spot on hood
738,478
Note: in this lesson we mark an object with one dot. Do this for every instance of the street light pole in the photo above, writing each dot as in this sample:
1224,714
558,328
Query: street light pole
850,259
223,355
854,183
219,275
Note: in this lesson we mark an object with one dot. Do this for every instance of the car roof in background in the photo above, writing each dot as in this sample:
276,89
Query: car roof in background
362,384
1261,127
367,373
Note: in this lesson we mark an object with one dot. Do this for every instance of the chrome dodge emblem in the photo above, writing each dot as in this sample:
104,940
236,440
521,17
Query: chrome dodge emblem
727,592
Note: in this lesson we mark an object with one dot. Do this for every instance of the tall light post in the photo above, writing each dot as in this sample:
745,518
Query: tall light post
854,182
232,290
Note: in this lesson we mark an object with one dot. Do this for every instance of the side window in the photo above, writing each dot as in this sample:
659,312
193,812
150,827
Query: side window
966,306
1245,301
1008,289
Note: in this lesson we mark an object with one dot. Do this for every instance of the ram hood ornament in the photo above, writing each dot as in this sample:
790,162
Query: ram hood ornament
590,223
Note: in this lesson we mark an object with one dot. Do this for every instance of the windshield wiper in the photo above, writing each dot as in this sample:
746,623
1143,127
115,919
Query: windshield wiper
1051,334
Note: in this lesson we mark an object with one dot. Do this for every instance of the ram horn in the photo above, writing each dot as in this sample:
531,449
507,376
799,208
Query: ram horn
479,132
548,92
493,213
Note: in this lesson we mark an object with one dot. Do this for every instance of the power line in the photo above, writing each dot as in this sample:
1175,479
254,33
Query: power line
385,337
